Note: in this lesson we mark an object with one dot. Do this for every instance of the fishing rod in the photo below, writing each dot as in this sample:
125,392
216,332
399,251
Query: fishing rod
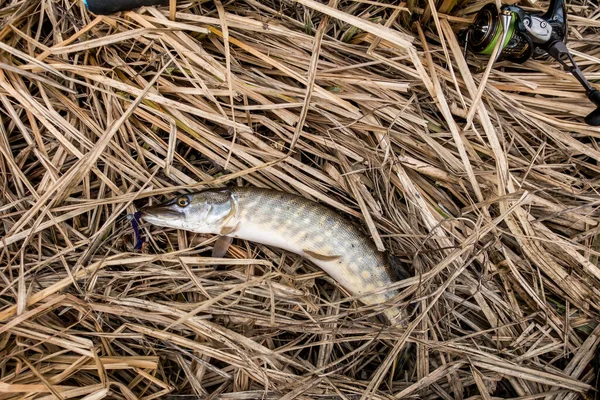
524,35
104,7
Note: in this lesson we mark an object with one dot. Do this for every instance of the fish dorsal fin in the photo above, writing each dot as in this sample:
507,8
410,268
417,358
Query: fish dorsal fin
320,256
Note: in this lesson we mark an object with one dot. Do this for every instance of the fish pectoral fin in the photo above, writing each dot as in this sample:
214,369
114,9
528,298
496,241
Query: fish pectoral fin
221,246
319,256
224,241
228,230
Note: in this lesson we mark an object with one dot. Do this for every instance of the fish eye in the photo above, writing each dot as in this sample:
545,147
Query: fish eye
183,201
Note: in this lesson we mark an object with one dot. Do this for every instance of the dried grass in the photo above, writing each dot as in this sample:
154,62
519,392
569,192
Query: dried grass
486,183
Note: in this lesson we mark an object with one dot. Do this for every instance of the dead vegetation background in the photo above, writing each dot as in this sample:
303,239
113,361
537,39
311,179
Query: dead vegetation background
485,181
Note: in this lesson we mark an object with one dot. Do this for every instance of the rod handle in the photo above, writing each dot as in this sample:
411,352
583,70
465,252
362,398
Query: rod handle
593,118
104,7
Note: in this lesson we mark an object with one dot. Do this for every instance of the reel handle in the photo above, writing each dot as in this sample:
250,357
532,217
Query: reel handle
557,12
558,50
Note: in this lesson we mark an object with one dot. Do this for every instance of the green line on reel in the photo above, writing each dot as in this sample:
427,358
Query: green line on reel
511,30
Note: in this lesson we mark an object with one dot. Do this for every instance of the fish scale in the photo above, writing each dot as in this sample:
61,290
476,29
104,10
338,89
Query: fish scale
292,223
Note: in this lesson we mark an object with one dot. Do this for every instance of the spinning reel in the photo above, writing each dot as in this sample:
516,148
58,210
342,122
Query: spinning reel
524,35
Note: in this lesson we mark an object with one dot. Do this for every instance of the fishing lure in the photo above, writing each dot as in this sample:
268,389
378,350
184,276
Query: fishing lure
135,223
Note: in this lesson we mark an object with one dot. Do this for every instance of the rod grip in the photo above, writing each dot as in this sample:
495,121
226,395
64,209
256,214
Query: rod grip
593,118
104,7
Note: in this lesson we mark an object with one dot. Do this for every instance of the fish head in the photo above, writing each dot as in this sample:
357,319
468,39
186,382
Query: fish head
201,212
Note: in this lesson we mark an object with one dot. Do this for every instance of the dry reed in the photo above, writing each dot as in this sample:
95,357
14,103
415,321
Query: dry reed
482,180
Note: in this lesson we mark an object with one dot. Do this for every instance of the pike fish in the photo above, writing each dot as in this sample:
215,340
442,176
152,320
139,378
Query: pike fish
289,222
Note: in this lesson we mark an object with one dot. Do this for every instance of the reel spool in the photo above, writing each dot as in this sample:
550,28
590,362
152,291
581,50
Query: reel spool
524,35
487,30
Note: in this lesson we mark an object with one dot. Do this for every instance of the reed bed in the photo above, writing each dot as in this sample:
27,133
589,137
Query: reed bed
484,181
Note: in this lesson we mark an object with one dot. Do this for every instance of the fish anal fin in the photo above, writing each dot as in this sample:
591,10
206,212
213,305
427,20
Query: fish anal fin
320,256
398,267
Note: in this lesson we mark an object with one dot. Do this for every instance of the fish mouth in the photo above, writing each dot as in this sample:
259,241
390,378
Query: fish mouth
159,211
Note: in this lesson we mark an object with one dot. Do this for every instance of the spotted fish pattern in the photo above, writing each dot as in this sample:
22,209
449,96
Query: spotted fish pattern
290,222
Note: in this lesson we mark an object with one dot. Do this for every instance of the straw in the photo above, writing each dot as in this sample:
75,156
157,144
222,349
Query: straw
481,179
